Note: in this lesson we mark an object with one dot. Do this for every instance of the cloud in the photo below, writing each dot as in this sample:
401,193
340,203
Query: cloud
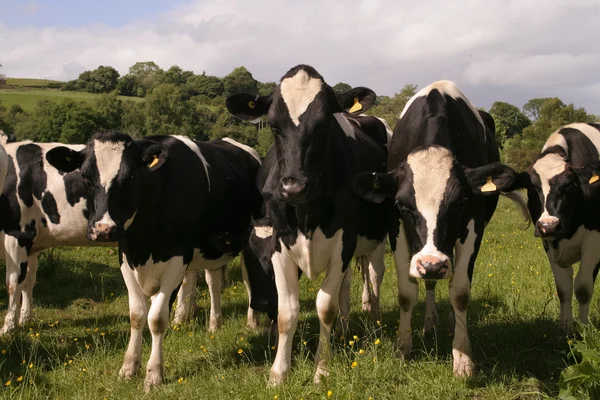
495,50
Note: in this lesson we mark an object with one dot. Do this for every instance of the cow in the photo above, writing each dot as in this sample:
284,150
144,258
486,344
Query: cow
314,223
174,205
40,208
562,190
444,179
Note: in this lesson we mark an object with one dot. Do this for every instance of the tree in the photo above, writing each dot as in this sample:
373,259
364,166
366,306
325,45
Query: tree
110,110
522,150
240,80
164,110
127,85
532,107
266,88
341,87
204,85
101,80
389,108
144,74
509,120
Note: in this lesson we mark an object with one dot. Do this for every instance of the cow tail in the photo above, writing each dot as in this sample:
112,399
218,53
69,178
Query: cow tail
521,203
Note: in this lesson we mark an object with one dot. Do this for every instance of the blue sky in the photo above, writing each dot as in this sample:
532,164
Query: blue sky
506,50
47,13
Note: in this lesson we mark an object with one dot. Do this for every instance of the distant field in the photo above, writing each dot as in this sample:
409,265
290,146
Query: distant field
30,82
28,99
76,346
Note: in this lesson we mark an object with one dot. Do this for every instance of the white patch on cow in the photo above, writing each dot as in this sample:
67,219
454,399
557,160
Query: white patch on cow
106,220
263,232
298,92
129,221
312,254
345,125
200,262
431,171
194,147
388,130
556,139
108,159
244,147
547,168
449,88
589,131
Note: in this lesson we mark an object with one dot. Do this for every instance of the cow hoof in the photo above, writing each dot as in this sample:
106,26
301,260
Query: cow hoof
463,368
366,307
275,379
403,346
319,375
215,323
6,329
128,371
153,379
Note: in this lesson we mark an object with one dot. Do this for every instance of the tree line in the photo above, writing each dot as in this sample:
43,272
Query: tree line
181,102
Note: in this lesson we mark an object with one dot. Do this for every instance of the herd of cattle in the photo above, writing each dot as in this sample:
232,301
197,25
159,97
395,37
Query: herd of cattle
335,186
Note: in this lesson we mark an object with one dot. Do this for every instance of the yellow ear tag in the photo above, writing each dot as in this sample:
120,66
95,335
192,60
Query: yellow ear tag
489,185
251,104
357,106
593,179
154,162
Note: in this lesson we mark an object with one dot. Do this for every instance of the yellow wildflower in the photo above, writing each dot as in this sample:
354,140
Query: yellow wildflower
377,341
7,384
240,351
329,393
353,365
361,352
351,343
19,379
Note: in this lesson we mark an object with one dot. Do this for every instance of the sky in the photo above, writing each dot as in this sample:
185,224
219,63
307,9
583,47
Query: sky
507,50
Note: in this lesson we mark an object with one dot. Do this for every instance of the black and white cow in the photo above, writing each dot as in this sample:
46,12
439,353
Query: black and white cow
562,186
314,222
174,205
444,180
40,208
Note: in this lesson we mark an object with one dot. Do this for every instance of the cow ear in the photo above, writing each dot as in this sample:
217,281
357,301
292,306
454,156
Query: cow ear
357,100
155,156
374,187
589,180
65,159
491,179
248,106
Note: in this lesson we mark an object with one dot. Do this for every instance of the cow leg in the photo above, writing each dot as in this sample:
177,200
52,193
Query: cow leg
430,312
214,280
138,315
363,263
252,319
344,302
408,291
288,306
460,294
158,319
563,278
584,281
327,308
186,298
16,273
27,293
376,273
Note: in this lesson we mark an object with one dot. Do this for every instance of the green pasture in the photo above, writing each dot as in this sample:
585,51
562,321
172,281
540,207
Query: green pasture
75,347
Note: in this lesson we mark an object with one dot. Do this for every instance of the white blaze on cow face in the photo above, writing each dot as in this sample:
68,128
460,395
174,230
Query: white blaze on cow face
108,161
547,168
431,171
298,92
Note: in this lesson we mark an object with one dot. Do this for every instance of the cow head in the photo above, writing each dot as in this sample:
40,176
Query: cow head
111,165
304,114
435,197
556,192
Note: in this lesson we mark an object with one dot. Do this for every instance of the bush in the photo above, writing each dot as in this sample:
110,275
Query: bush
583,377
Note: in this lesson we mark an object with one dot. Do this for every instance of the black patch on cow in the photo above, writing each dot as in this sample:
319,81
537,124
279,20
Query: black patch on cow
44,222
74,187
26,237
22,271
32,177
50,208
10,209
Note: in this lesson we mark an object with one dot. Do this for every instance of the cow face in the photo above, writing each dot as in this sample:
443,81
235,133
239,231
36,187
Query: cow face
436,198
557,192
111,165
305,117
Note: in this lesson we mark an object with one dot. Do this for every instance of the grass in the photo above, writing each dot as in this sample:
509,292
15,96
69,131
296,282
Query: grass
75,347
28,98
31,82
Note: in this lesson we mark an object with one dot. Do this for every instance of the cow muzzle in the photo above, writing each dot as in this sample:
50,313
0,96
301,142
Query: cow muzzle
430,267
293,190
102,232
547,228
